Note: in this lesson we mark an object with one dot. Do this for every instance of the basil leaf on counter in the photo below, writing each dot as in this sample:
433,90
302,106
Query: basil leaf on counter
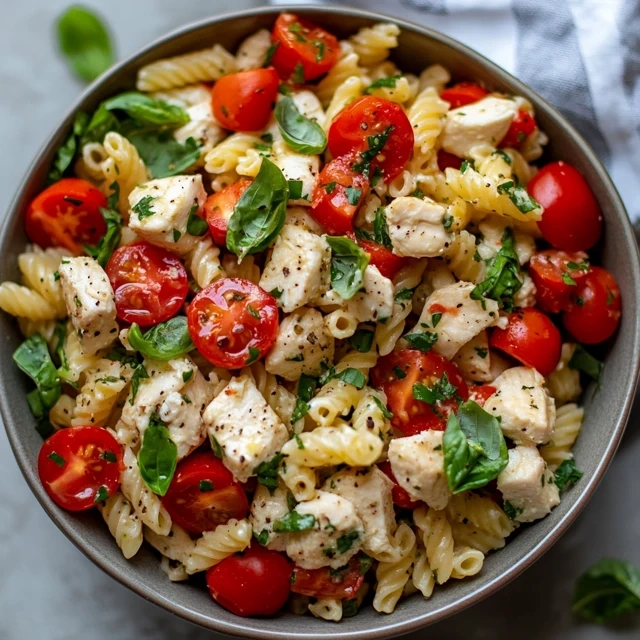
294,521
158,457
67,150
301,134
147,110
259,215
348,263
164,341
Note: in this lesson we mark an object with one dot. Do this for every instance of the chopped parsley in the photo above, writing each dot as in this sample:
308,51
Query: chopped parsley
143,207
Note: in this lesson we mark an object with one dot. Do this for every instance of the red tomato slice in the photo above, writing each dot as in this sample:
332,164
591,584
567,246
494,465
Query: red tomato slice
448,160
396,375
363,125
327,583
219,207
556,275
252,583
572,219
387,262
595,313
530,338
203,494
67,214
243,101
339,193
522,126
463,93
303,51
480,394
233,322
399,494
80,465
150,283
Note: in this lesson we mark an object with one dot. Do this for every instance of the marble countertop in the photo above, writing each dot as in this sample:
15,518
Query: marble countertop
50,591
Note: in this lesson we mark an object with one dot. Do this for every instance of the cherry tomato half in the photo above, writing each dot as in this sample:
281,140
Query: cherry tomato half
481,393
397,373
326,583
448,160
150,283
233,322
463,93
556,275
79,466
531,338
67,214
243,101
339,193
252,583
387,262
303,51
203,494
219,207
363,126
399,494
522,126
572,219
596,309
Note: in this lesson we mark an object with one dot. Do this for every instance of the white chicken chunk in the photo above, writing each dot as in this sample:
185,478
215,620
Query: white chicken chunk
299,216
462,318
253,50
266,508
247,430
297,167
370,493
177,393
298,269
417,463
491,232
528,412
202,127
90,303
336,536
302,345
474,359
415,227
483,122
160,211
375,303
528,485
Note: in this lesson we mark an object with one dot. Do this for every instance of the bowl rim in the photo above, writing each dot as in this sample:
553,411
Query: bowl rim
387,627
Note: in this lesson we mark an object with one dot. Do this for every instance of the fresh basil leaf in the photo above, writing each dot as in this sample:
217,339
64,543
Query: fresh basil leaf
267,472
467,164
293,522
67,150
111,239
120,355
298,74
422,341
163,155
254,354
399,373
164,341
32,357
353,195
441,390
353,377
582,360
607,590
295,189
361,340
157,457
348,263
388,82
404,295
299,442
143,207
383,408
381,230
435,319
84,41
273,47
196,226
262,537
306,390
215,447
301,134
376,143
567,474
259,215
350,608
512,511
519,196
146,110
345,541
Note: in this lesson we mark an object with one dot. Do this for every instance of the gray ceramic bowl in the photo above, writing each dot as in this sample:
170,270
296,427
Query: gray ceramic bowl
606,413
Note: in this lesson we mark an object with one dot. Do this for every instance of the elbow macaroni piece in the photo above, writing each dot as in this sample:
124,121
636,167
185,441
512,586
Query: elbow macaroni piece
327,609
467,562
340,324
300,480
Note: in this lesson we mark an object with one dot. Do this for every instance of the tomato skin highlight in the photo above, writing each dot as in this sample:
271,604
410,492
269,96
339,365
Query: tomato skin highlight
242,101
219,207
323,583
300,42
369,116
463,93
597,307
196,507
67,214
255,582
399,494
572,220
149,282
531,338
233,322
72,468
522,126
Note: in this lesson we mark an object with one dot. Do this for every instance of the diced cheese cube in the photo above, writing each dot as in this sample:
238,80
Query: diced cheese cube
253,50
375,303
474,359
266,508
202,127
298,167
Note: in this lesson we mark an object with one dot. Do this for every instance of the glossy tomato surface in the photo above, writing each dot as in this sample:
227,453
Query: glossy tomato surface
481,393
329,583
463,93
522,126
400,495
387,262
219,207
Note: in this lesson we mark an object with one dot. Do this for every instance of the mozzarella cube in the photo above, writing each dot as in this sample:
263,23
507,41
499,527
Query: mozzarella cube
528,412
266,508
483,122
160,211
298,167
298,269
247,430
474,359
370,493
528,485
525,296
336,536
299,216
302,346
417,463
375,303
202,127
415,227
90,303
253,50
462,317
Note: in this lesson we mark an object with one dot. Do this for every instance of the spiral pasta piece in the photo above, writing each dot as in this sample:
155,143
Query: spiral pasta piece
438,541
23,302
569,419
346,67
204,262
39,272
564,383
345,93
481,512
422,576
341,324
89,164
463,259
334,399
427,115
372,44
77,362
467,562
227,155
215,546
61,414
123,523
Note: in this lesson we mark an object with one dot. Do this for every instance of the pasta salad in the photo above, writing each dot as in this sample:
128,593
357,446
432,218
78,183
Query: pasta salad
308,323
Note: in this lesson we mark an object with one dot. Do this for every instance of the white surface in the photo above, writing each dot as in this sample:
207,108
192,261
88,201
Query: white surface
49,590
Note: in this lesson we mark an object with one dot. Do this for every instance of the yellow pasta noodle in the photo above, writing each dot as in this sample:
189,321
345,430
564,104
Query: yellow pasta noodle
569,419
215,546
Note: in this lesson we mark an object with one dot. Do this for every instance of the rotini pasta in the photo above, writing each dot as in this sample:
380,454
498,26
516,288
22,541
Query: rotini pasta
438,541
372,44
565,432
327,609
123,523
215,546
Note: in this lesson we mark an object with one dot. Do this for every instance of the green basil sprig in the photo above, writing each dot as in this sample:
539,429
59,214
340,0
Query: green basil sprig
293,522
147,110
301,134
475,451
519,196
306,390
111,239
267,472
567,474
348,263
259,215
158,457
67,150
582,360
164,341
